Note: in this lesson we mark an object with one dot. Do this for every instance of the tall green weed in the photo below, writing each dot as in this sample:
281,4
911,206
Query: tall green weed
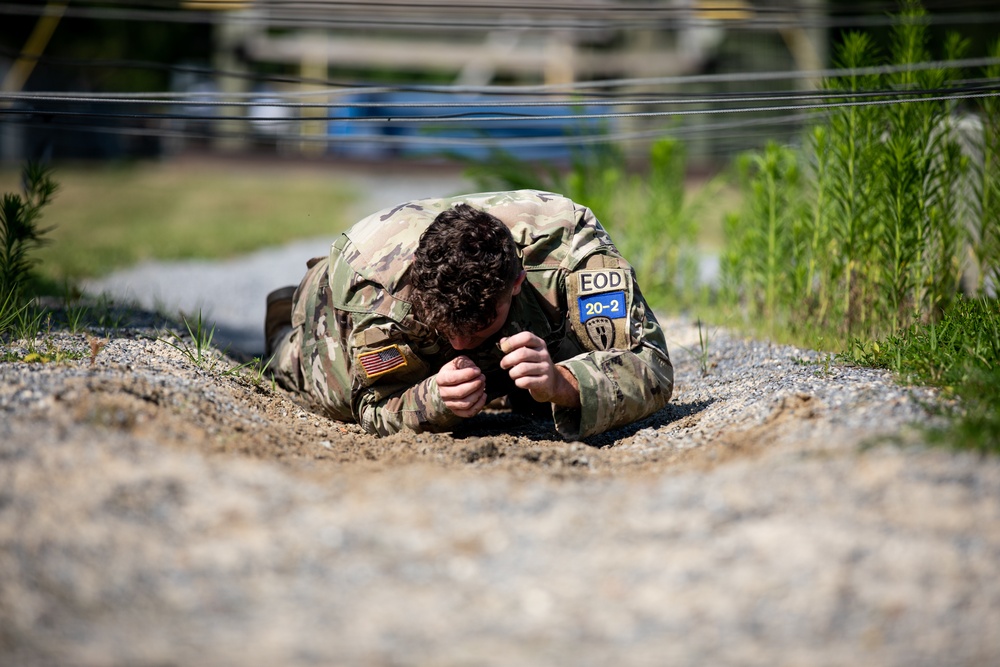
867,224
20,234
765,234
986,189
874,240
853,177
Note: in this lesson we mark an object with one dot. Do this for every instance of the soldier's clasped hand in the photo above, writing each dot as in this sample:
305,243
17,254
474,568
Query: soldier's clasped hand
529,364
462,387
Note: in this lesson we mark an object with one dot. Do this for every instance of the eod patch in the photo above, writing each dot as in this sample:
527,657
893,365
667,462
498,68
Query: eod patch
600,301
601,280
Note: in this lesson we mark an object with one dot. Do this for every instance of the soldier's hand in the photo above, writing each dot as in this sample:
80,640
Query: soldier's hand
530,366
462,386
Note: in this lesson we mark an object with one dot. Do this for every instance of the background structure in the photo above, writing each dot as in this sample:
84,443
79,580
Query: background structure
384,79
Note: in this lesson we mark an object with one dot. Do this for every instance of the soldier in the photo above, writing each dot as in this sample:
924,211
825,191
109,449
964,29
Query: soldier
425,313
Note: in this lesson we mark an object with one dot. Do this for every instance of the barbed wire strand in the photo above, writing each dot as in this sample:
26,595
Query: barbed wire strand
617,93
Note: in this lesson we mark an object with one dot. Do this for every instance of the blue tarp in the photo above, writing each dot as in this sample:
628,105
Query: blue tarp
376,125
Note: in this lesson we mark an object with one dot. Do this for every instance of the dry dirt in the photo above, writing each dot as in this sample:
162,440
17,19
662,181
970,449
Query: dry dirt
780,511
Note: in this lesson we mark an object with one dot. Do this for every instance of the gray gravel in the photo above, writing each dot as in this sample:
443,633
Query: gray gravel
778,512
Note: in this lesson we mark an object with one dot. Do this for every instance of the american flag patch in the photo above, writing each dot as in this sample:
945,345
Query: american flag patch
381,360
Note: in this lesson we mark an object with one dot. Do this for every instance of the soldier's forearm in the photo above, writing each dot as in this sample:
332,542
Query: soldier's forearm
417,408
616,388
567,393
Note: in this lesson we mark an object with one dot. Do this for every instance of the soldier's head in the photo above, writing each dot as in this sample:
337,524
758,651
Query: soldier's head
465,272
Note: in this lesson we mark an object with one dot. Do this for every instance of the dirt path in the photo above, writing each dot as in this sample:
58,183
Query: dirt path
780,511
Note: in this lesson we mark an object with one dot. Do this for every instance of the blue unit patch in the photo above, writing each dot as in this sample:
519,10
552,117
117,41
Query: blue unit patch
607,304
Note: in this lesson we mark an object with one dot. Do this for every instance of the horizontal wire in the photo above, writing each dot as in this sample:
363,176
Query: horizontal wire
432,141
788,125
592,88
444,21
753,77
274,100
522,5
534,118
493,106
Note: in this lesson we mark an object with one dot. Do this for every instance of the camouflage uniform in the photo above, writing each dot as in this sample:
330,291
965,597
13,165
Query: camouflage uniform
357,349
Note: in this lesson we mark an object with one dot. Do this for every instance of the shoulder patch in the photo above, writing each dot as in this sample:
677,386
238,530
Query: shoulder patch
600,302
608,304
601,331
600,280
381,361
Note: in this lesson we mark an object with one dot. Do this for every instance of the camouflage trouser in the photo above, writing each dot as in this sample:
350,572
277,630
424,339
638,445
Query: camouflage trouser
310,359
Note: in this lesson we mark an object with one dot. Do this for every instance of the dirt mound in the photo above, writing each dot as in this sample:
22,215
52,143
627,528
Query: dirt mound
780,510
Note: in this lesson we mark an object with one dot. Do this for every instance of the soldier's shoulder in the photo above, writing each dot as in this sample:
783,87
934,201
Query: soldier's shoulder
551,229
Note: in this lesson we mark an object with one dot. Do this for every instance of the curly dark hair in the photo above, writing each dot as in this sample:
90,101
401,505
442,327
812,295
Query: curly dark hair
465,263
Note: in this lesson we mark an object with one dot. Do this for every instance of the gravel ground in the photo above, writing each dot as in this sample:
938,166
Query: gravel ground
781,511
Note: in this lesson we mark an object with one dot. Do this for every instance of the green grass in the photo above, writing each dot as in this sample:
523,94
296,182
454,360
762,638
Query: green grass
20,238
109,217
960,353
104,217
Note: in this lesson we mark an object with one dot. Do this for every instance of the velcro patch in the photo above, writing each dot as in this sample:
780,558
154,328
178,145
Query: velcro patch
600,280
600,307
381,361
602,333
606,304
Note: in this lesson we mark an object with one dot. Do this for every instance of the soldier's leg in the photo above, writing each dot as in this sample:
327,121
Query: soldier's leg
287,326
285,366
280,351
311,359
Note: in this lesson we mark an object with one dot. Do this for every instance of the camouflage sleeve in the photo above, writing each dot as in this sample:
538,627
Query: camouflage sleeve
384,409
384,380
393,387
624,372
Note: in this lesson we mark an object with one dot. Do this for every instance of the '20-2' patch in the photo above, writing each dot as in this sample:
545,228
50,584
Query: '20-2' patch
602,305
609,304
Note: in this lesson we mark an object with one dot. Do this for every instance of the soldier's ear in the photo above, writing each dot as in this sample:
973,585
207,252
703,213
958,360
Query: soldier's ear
517,283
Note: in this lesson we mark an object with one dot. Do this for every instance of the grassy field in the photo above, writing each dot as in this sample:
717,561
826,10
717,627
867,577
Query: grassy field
105,217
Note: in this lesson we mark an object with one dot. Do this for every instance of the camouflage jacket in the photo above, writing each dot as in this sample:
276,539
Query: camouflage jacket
366,358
